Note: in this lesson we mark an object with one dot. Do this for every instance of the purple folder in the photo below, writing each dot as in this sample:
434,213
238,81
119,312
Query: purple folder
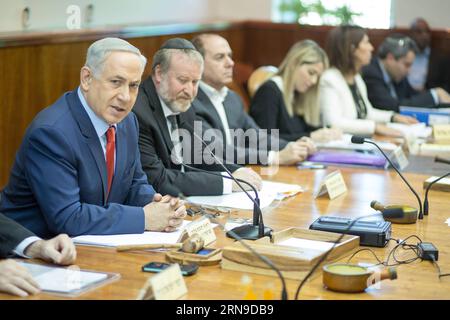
349,158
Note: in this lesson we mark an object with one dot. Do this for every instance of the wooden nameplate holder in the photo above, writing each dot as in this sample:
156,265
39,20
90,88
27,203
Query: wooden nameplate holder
294,252
212,258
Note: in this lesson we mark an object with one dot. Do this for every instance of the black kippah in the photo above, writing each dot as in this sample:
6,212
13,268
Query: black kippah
178,43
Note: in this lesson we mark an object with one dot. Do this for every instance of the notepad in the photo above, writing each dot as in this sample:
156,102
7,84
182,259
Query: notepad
67,281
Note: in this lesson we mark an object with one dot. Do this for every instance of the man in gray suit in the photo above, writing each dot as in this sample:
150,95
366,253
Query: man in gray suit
220,108
16,240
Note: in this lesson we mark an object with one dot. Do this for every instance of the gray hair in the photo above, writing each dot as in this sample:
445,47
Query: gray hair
163,57
100,50
398,45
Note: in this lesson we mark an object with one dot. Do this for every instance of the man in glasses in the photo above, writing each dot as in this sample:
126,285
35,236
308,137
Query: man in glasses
386,77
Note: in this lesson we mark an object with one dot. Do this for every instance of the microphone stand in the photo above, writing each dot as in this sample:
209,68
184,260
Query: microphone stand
253,231
425,200
360,140
233,235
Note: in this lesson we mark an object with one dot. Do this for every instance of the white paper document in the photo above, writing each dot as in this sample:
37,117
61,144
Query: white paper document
448,222
63,280
239,200
307,244
414,131
345,144
148,237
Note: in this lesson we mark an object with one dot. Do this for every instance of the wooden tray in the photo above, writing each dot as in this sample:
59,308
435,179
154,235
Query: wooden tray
213,258
294,252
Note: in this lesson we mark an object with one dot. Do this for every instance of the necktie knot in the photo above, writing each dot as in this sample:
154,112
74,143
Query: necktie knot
111,134
173,122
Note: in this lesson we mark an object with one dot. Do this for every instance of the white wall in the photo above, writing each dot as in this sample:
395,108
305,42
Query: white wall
52,14
436,12
47,14
241,9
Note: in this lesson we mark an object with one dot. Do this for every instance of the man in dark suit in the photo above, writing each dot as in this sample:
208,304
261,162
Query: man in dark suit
16,240
386,77
166,123
430,69
222,109
78,169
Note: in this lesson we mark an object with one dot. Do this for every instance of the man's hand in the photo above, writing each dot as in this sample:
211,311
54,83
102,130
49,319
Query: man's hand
15,279
59,250
164,214
248,175
444,96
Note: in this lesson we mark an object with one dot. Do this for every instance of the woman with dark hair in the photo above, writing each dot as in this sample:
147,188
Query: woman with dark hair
343,94
289,100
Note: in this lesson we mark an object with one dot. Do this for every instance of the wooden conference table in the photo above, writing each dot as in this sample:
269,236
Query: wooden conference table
418,280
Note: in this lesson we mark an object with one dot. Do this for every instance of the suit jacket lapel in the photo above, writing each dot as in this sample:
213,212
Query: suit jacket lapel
158,113
230,111
88,131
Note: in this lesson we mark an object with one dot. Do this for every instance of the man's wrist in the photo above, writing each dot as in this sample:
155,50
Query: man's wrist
34,249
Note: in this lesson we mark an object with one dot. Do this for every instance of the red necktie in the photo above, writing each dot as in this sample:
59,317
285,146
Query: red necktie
110,154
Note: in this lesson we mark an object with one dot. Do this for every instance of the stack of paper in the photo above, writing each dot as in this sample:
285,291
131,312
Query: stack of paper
345,144
238,200
131,239
413,131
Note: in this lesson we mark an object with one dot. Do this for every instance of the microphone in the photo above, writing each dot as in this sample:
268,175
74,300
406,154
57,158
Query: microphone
231,234
247,232
361,140
425,200
253,231
441,160
394,213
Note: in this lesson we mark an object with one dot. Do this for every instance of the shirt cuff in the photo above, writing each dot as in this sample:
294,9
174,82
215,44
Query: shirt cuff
20,249
435,96
270,157
227,184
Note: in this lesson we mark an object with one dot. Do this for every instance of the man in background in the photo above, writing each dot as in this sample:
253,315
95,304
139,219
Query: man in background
431,68
222,109
386,77
163,109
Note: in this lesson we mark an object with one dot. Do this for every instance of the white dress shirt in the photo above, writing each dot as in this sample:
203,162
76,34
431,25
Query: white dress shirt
217,98
20,249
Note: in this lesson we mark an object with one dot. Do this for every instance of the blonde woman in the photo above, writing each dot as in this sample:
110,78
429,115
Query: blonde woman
289,100
343,93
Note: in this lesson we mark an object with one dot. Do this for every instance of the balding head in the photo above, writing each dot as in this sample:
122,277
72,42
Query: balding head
421,33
